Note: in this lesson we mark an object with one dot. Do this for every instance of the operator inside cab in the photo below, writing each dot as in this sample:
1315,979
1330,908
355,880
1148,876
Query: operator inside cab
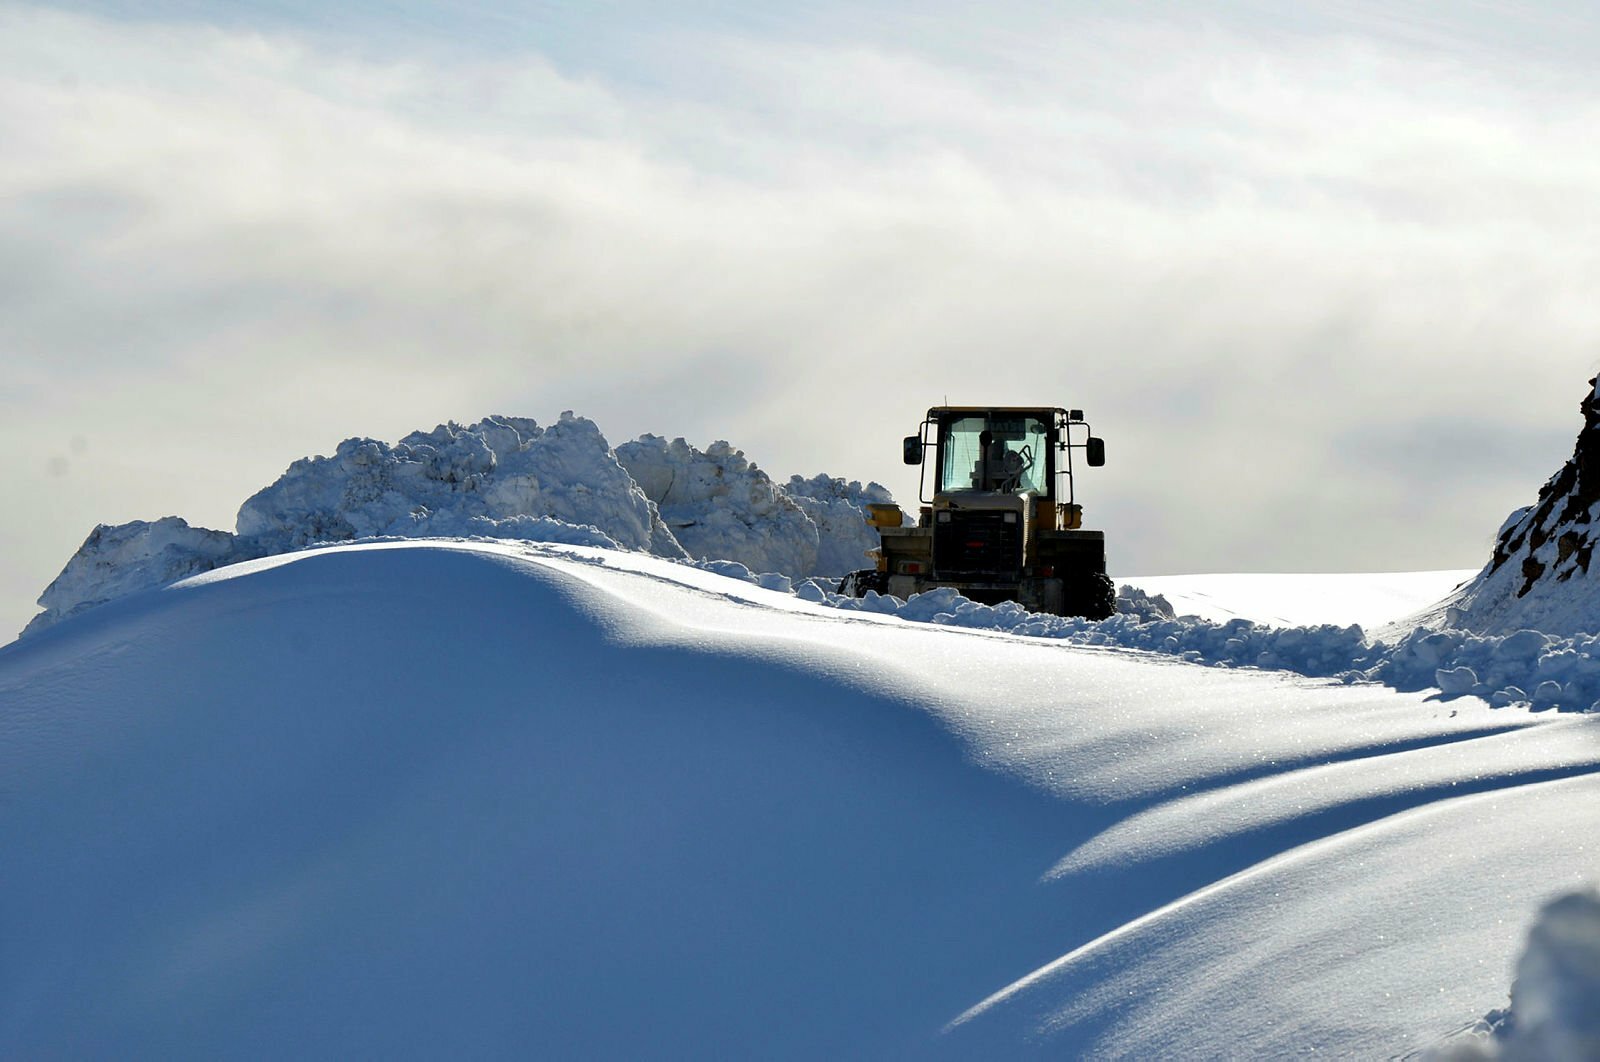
996,468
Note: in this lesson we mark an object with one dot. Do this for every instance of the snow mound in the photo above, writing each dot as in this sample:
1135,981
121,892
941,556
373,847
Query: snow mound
1555,1000
501,478
1539,576
499,470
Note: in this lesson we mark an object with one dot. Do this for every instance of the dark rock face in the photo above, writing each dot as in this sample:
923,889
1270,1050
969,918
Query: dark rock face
1539,577
1562,513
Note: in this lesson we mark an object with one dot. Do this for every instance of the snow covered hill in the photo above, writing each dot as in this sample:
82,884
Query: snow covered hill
440,799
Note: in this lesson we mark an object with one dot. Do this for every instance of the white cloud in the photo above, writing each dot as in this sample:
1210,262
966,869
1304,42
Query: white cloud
222,250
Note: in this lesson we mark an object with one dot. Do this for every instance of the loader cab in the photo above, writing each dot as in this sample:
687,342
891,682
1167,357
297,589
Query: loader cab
1002,450
993,453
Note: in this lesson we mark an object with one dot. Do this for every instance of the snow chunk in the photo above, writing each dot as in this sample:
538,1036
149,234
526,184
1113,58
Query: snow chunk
1132,601
1456,681
121,560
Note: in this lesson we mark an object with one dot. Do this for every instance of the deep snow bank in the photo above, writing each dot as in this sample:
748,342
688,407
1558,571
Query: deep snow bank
433,802
503,478
1539,576
422,799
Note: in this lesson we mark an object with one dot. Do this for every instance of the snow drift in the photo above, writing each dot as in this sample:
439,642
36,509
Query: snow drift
502,478
421,802
420,799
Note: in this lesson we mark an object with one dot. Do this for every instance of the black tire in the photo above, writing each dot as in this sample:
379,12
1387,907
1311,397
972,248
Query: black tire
1091,595
856,584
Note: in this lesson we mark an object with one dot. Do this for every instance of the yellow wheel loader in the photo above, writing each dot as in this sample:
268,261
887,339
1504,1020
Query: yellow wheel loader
1003,523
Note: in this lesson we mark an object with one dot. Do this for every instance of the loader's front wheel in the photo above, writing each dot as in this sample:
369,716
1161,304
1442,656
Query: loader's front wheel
1091,595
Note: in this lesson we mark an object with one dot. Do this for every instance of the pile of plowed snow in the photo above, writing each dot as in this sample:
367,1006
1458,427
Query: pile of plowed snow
502,478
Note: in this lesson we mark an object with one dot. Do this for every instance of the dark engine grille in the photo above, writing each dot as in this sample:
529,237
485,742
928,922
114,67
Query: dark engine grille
974,544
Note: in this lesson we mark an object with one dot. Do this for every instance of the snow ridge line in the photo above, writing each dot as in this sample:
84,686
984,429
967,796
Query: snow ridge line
1354,756
1132,926
1228,826
1308,850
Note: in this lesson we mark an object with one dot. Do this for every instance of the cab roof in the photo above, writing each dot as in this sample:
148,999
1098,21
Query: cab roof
1012,410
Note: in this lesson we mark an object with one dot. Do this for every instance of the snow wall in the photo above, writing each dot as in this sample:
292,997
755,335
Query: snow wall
503,477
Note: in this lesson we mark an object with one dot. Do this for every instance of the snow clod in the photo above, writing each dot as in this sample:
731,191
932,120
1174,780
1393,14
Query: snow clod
1456,681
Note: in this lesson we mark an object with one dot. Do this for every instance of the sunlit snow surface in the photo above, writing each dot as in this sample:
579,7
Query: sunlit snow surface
413,799
1370,600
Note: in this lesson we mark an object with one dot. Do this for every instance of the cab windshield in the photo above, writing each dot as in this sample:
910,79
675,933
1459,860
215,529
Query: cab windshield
994,453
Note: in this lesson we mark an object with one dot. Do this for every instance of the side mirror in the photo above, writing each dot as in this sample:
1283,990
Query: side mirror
1095,451
913,449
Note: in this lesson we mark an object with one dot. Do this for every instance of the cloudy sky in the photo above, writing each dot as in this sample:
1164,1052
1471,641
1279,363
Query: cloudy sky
1325,282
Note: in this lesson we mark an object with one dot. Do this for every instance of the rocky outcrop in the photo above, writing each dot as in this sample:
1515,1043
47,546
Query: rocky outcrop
1541,575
